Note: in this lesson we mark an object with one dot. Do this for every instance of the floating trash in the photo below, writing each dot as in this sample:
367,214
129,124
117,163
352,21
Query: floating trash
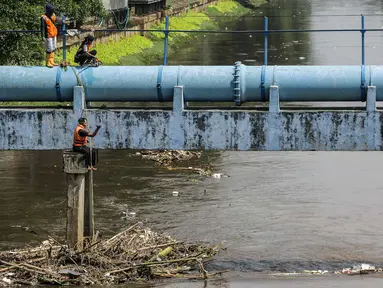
168,157
316,272
219,175
302,58
135,254
6,280
175,193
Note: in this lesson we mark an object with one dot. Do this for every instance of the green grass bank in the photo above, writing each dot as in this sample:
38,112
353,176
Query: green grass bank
142,50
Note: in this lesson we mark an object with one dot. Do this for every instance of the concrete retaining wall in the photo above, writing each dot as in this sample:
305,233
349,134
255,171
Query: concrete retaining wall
208,130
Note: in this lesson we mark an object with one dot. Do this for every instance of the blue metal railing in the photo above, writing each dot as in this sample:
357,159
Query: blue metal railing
266,36
363,89
64,38
166,40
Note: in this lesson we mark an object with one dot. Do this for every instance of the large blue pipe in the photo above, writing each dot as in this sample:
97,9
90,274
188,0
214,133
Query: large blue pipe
201,83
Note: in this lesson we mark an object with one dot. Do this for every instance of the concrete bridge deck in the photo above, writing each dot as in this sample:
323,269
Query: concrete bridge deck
180,128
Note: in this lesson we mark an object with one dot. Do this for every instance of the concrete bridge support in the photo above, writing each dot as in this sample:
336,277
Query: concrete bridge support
188,129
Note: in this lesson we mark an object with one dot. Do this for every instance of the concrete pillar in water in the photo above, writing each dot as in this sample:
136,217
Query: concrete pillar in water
79,106
74,167
89,218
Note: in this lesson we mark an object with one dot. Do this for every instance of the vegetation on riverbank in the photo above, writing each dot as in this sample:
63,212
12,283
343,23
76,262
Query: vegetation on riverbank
25,48
142,50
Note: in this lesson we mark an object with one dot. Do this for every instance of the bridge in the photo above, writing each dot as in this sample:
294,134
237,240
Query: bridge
189,127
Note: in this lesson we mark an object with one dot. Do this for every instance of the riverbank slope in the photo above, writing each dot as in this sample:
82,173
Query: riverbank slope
143,49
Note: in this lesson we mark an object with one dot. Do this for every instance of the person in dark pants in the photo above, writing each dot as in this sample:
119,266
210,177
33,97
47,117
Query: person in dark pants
80,139
84,54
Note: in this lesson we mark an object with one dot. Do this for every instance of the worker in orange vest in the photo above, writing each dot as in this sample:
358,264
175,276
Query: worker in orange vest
49,34
80,140
84,53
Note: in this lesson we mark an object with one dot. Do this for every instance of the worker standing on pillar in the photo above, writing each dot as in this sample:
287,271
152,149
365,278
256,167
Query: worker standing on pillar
80,140
49,34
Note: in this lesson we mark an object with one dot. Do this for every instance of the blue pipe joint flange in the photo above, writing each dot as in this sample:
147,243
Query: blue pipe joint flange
160,96
263,88
237,83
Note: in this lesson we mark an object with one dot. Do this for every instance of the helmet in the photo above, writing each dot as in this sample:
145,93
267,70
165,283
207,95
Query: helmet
82,120
49,8
89,38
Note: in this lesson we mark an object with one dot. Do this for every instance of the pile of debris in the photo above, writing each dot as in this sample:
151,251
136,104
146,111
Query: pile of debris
137,253
169,157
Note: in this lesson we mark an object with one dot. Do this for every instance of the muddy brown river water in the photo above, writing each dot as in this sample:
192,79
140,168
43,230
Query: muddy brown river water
277,212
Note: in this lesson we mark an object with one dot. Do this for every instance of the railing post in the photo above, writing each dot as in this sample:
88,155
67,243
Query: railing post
266,36
64,37
166,40
263,73
363,31
363,76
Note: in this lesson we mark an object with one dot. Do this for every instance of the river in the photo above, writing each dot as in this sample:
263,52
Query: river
277,212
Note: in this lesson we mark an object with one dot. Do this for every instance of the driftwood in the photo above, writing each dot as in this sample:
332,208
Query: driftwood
135,253
169,157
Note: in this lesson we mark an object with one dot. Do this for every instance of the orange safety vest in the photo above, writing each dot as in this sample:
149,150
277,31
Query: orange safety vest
77,139
52,30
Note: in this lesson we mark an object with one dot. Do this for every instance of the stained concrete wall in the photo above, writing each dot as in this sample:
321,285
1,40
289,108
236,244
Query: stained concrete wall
209,130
